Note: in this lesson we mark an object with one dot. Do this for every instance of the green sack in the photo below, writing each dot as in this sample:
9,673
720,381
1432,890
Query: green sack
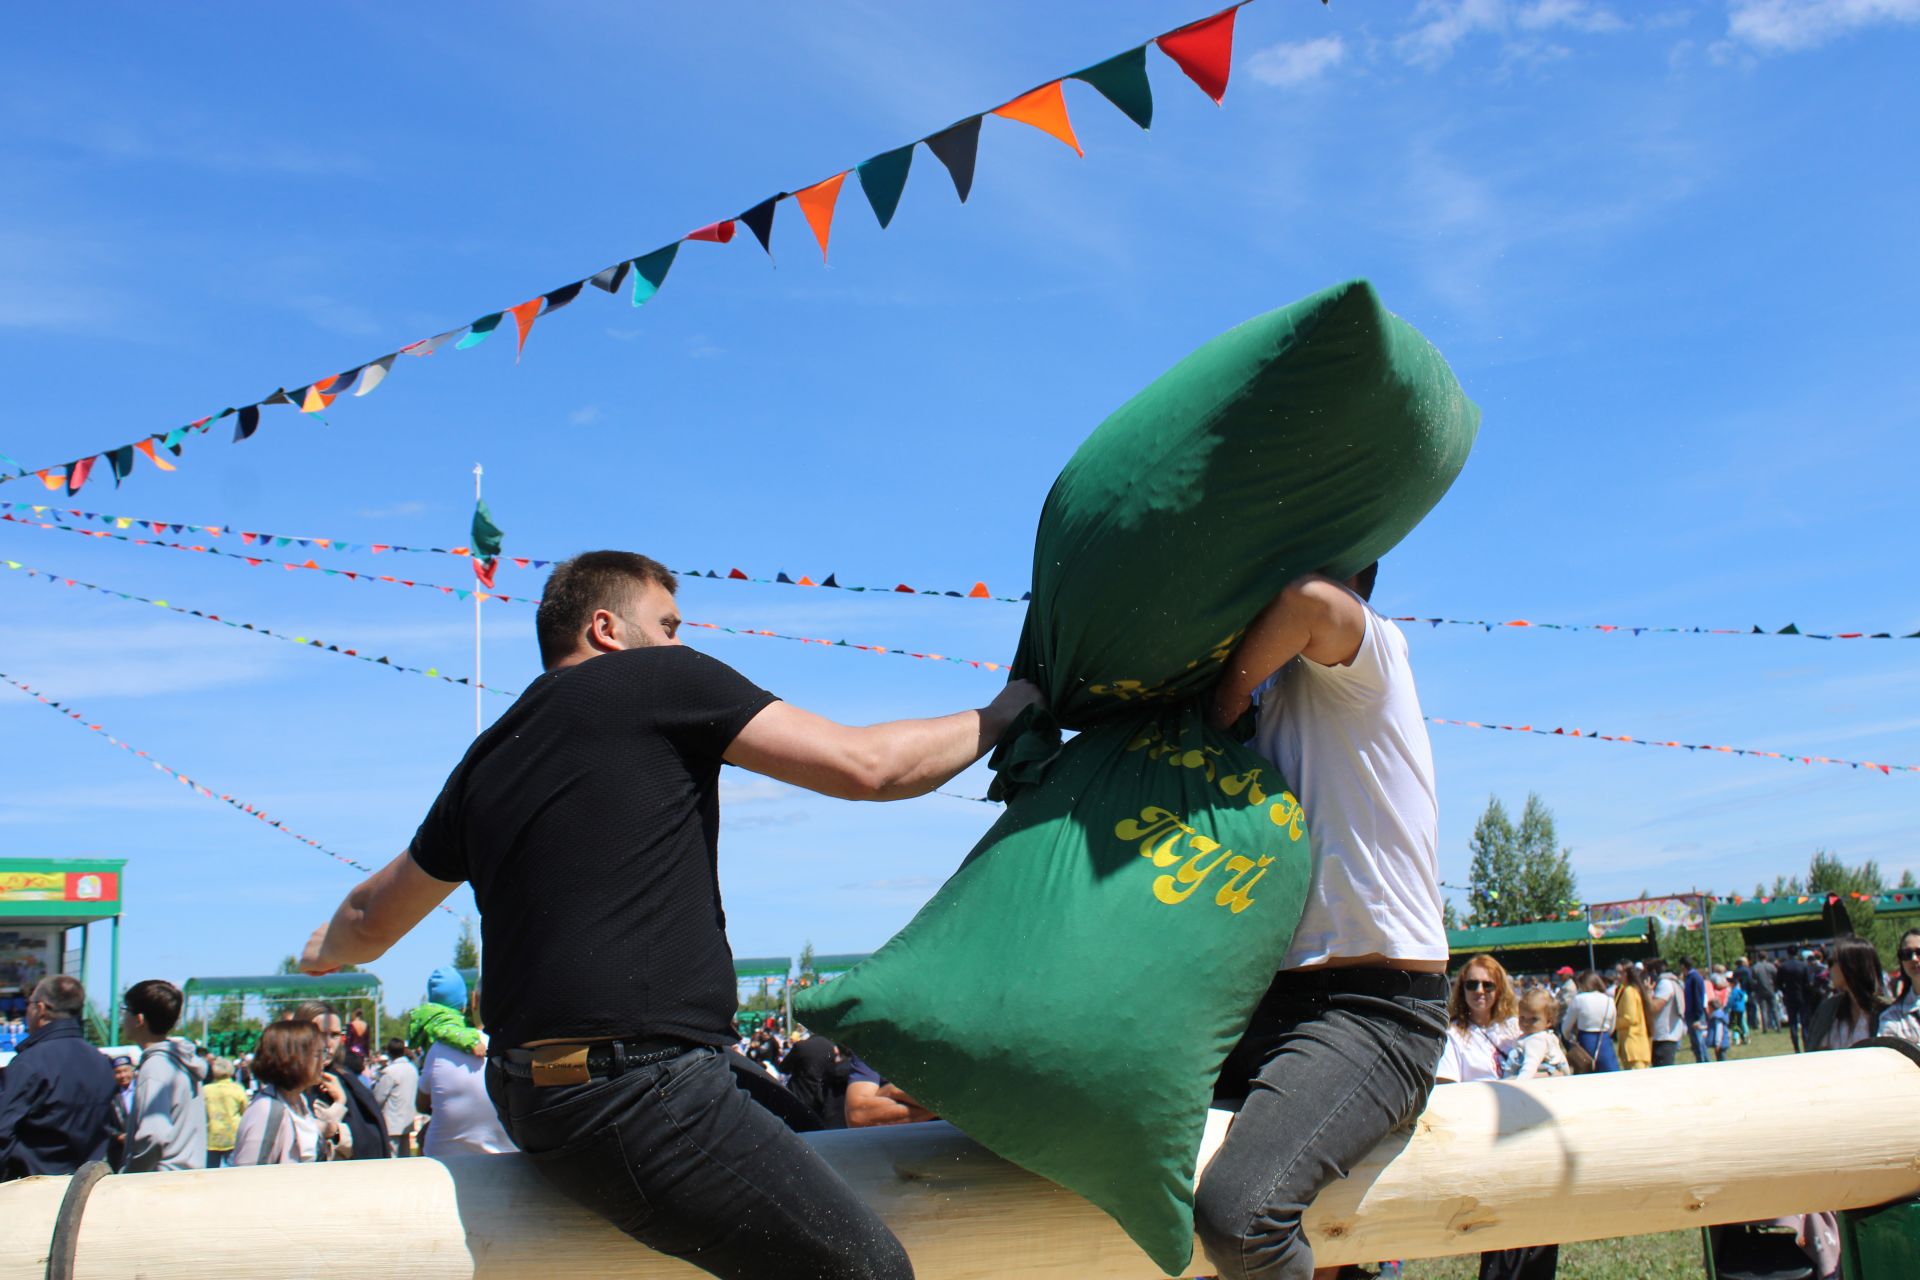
1312,437
1068,996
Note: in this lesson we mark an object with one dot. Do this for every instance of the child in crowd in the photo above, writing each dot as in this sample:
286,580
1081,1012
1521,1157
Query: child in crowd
441,1020
1737,1014
1538,1051
1719,1034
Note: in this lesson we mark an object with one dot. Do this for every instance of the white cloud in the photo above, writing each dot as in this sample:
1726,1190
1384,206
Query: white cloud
585,416
1786,26
1290,65
1443,25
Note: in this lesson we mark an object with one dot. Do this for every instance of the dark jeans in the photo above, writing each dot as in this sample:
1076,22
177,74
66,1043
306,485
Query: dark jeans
1534,1262
1698,1035
1326,1074
679,1158
1796,1025
1665,1052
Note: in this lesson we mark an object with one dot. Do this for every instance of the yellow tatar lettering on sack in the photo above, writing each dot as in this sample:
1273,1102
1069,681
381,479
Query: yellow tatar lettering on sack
1249,782
1286,812
1233,895
1192,872
1158,831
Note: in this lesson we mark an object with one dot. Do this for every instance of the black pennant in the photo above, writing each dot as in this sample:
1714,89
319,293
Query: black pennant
759,220
957,148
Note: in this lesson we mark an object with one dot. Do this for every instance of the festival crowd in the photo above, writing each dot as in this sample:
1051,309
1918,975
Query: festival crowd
313,1087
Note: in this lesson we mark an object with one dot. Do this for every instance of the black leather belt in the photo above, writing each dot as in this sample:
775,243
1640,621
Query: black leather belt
562,1064
1368,981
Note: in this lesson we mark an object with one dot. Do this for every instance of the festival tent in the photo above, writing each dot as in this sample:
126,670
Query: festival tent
1547,945
277,990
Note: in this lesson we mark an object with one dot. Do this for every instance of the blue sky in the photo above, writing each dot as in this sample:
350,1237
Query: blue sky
1670,255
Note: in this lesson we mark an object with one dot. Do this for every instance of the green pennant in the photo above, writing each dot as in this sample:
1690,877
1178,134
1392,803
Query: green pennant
487,535
650,272
883,178
1123,82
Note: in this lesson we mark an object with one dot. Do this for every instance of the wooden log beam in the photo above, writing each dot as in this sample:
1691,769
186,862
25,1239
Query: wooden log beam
1488,1166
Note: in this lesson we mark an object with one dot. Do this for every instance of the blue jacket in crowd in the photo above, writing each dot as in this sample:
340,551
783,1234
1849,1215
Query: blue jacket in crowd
53,1103
1696,997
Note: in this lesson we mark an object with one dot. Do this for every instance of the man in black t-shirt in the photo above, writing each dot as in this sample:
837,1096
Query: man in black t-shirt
587,821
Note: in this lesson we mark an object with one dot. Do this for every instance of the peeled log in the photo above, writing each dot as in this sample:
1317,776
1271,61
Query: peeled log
1488,1166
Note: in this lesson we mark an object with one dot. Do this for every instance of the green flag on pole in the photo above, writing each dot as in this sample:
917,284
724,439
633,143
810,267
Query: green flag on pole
486,534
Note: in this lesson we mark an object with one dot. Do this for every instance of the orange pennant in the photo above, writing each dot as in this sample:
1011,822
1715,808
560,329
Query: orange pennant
817,203
979,592
53,478
316,398
146,447
523,317
1046,110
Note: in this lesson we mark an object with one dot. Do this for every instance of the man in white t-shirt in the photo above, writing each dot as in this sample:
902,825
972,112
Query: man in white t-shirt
1342,1049
1667,1012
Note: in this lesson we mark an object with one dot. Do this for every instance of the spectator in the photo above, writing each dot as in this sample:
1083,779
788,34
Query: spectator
281,1125
1737,1013
1695,987
1796,987
1565,988
1765,998
226,1103
1538,1052
871,1100
359,1040
167,1128
395,1089
363,1132
119,1111
1852,1013
1481,1028
1590,1021
1633,1044
57,1092
1901,1019
1666,1003
453,1090
440,1019
1719,1030
1481,1022
817,1075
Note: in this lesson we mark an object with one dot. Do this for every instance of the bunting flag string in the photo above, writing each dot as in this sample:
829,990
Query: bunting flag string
198,788
1203,51
1594,735
46,516
305,642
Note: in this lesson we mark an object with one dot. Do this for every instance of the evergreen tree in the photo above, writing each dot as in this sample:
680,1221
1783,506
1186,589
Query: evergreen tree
1547,884
1907,881
1495,874
466,948
1449,918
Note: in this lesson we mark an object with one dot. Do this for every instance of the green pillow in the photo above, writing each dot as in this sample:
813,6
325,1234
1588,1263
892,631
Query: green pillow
1068,996
1312,437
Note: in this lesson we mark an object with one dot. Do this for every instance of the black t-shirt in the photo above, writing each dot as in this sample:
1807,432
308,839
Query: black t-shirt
588,819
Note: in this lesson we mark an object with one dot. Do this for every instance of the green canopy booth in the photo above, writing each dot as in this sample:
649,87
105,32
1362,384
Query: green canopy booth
41,899
1548,945
274,991
761,971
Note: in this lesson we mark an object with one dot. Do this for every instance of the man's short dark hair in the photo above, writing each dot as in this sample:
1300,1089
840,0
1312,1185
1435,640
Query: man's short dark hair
313,1011
1363,581
158,1002
396,1049
62,994
591,580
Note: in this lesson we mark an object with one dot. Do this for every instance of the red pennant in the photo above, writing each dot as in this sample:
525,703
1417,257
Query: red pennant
77,474
484,571
1204,50
523,316
716,232
735,573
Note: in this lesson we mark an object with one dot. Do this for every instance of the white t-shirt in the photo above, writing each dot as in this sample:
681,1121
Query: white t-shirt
1476,1053
464,1121
1353,746
1670,1023
298,1139
1902,1018
1589,1011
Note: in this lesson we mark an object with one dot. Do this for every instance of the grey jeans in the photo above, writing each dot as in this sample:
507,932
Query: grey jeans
1333,1062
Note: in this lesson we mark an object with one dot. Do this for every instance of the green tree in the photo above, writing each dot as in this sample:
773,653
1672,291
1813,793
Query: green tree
1518,873
1907,881
1449,918
808,976
466,948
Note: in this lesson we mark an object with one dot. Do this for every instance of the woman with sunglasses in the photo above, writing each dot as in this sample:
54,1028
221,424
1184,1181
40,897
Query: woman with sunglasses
1902,1017
1481,1022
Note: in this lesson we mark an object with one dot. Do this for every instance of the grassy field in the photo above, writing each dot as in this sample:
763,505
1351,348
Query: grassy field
1671,1255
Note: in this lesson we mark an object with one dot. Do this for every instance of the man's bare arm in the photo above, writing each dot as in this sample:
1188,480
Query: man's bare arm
890,761
377,913
1313,615
871,1104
